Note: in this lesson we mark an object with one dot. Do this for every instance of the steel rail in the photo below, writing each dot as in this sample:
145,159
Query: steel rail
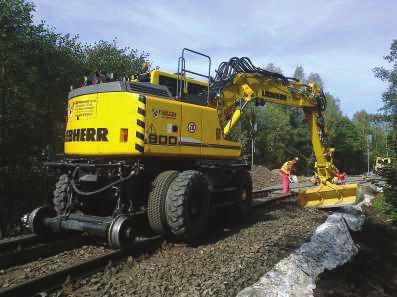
16,243
55,280
265,200
26,255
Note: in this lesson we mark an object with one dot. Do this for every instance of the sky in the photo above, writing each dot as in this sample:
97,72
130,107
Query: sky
341,40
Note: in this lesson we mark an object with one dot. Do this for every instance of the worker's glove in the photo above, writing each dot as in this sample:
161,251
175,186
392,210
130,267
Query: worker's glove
293,179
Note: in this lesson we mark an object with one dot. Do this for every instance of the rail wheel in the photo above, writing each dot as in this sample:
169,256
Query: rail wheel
188,205
243,194
121,232
60,199
36,219
156,201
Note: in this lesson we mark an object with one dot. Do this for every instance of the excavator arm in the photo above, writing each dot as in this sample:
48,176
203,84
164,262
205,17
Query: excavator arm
234,92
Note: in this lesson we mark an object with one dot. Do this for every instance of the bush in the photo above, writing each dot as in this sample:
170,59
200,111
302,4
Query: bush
389,203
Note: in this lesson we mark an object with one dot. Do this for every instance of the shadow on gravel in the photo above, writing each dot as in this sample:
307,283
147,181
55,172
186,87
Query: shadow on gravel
222,224
373,272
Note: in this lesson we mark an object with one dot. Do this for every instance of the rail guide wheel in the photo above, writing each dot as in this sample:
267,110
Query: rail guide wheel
36,220
121,232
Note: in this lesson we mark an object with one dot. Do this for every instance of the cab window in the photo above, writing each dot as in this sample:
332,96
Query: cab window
170,83
196,89
196,94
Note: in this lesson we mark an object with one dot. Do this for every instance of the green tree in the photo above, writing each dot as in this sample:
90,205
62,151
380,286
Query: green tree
389,109
273,127
332,115
349,154
315,78
273,68
389,97
367,124
106,57
299,73
37,68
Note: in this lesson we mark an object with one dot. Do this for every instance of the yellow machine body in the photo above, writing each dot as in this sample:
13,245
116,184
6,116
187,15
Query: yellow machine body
128,120
137,124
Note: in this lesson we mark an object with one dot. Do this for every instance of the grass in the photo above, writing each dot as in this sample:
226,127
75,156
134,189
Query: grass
387,209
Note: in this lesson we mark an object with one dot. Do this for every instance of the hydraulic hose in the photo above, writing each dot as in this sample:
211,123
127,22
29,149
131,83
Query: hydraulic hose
227,71
78,191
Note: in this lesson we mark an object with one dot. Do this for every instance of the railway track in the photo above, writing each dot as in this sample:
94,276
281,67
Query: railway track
52,245
57,279
26,241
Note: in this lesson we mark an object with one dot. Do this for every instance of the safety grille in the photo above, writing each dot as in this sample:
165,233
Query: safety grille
148,88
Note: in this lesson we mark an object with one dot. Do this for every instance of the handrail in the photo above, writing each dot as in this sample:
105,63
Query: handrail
182,72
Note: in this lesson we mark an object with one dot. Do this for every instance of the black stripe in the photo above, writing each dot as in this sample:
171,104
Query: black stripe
232,147
140,135
142,99
140,123
191,144
139,148
141,111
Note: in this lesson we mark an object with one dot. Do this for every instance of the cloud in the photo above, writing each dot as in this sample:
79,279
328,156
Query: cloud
341,40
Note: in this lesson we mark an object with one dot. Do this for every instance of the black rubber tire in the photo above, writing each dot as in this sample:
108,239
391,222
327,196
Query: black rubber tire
156,201
60,199
243,195
188,205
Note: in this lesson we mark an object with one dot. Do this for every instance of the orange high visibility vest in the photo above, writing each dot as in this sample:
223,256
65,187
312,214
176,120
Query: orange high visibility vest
286,168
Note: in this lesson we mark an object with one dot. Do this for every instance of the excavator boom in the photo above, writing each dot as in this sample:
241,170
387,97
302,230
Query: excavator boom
239,85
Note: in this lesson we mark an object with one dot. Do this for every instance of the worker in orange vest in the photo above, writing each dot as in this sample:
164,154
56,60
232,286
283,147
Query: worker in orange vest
285,172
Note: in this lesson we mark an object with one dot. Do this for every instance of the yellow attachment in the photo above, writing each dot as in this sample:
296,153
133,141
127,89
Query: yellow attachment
232,122
328,195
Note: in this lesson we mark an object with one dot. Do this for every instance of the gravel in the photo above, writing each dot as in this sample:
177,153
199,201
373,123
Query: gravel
263,177
230,257
31,270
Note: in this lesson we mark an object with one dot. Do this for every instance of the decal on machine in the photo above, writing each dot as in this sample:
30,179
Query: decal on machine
155,113
83,109
191,127
163,113
274,95
162,139
86,134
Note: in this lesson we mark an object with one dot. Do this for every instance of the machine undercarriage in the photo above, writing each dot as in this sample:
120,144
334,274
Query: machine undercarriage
109,198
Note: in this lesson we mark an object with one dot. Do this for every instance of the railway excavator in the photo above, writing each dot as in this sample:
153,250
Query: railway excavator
158,147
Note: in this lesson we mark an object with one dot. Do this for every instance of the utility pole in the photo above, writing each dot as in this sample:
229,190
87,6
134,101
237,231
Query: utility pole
255,129
369,141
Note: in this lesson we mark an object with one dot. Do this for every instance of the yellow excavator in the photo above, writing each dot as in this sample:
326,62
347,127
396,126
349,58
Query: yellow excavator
382,164
156,147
